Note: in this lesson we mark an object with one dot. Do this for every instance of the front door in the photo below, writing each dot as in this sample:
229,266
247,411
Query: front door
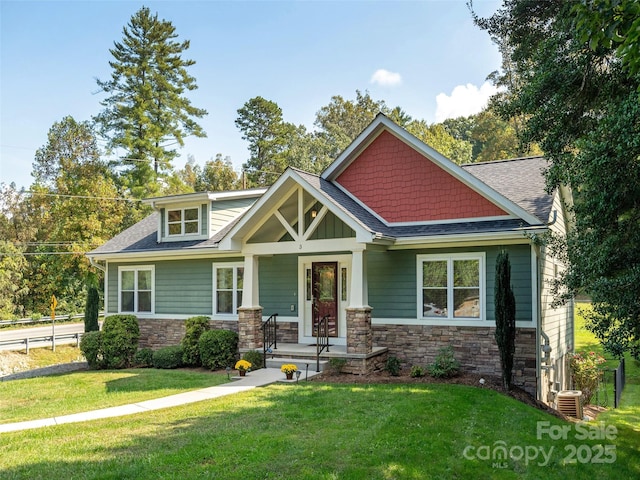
324,280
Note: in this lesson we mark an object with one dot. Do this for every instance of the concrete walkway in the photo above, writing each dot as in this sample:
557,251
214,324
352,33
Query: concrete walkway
259,378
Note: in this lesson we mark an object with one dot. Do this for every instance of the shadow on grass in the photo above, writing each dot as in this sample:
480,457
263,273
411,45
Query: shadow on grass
142,380
316,431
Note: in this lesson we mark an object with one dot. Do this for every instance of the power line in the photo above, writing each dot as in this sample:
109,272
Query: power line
89,197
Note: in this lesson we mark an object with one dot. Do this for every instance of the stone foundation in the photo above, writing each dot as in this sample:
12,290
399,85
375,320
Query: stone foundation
474,347
156,333
249,328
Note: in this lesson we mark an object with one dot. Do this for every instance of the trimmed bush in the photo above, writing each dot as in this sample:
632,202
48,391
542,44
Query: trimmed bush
195,326
393,366
255,358
91,348
337,364
218,349
120,336
143,358
445,365
417,371
168,357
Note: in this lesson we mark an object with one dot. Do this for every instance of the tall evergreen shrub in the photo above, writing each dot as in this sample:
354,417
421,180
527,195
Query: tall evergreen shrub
91,310
505,307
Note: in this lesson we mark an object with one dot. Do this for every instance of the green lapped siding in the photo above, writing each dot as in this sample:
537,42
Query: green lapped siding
182,287
279,285
392,280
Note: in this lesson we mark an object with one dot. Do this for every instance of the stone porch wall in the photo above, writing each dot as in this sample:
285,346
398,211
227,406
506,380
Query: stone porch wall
474,347
156,333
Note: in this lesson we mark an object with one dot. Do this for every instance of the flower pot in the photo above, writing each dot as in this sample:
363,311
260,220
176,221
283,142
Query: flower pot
242,373
289,376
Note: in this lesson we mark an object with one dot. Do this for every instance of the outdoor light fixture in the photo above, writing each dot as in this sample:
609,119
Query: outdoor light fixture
228,369
314,213
298,373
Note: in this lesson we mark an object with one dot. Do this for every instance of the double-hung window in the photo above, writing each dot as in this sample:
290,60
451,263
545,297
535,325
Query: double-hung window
451,286
183,221
228,281
136,289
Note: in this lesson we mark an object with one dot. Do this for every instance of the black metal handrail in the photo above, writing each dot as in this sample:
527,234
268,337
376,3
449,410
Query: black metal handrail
322,338
269,337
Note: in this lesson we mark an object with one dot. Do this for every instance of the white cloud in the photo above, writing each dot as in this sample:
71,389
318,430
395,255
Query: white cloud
464,100
386,78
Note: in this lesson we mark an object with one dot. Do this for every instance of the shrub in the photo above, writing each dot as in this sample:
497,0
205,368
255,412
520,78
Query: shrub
91,310
393,366
445,365
143,358
91,348
195,327
586,373
255,358
417,371
218,348
337,364
120,335
168,357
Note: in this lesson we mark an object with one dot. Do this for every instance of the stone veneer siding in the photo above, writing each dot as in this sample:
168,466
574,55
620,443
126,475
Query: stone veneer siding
156,333
474,347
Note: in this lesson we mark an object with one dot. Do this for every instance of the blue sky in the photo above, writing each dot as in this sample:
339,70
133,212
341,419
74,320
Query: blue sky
425,56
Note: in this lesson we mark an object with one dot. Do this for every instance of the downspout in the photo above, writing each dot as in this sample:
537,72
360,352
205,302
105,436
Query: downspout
93,263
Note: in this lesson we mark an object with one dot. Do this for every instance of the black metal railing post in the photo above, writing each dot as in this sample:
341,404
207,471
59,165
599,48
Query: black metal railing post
322,338
269,337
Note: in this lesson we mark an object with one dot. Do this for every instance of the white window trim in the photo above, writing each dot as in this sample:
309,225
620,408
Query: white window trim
227,316
137,268
449,258
182,221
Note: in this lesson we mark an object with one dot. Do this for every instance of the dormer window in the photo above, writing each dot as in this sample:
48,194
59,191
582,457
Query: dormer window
183,221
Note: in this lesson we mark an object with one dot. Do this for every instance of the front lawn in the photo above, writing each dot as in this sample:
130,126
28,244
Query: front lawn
76,392
325,431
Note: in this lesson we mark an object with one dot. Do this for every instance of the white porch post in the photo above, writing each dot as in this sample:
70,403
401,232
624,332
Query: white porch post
250,313
359,290
250,291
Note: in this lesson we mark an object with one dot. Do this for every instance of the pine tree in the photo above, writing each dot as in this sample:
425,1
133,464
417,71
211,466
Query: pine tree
505,305
146,111
91,310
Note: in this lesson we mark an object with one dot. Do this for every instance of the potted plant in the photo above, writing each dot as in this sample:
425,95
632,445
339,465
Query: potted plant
288,369
242,366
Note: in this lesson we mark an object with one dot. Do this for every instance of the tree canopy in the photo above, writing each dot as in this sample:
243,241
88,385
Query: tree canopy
577,92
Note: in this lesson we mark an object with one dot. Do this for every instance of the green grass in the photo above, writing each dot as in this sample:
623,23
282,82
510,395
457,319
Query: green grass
323,431
313,431
58,395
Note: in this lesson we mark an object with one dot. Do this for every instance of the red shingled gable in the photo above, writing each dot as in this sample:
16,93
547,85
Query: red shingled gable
402,185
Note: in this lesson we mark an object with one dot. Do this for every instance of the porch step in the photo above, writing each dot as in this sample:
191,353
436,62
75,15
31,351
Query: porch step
301,363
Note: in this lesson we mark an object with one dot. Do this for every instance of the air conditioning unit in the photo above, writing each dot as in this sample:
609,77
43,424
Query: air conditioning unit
568,402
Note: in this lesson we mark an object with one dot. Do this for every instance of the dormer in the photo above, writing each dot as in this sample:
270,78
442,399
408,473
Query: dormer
199,216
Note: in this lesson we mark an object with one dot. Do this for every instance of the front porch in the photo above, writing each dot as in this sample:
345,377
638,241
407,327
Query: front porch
305,357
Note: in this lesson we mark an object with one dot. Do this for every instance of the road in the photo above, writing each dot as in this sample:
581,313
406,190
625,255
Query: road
35,335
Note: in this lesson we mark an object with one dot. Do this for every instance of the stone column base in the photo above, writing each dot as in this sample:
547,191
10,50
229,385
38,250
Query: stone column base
359,334
249,328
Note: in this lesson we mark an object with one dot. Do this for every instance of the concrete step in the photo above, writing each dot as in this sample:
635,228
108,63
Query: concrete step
301,363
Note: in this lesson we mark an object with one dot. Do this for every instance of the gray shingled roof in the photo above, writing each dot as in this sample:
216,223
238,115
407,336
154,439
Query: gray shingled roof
520,180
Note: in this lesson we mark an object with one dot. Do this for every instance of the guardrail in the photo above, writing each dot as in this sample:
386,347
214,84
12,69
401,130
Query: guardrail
59,318
43,339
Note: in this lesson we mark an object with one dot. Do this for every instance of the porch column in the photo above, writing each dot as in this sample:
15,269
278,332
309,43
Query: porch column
359,289
359,333
250,313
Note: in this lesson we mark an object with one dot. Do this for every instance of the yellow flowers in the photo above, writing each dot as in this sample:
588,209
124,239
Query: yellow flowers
243,365
288,368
